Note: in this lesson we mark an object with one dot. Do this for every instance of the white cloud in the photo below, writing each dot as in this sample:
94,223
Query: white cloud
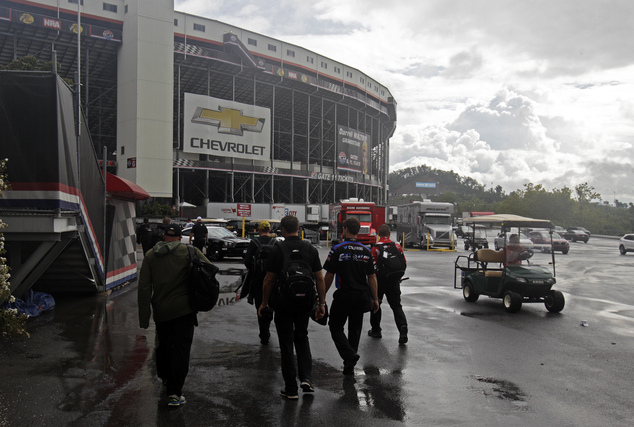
506,92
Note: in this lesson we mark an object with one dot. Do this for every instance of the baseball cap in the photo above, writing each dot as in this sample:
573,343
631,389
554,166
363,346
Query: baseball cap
264,225
173,230
199,219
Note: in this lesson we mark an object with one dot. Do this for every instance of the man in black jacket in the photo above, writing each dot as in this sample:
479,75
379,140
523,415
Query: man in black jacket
199,233
256,278
144,235
292,326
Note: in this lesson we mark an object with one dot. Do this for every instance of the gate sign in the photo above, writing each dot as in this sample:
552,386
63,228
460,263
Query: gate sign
244,209
425,185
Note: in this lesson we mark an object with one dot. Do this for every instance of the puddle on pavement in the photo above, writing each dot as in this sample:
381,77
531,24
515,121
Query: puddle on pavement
503,390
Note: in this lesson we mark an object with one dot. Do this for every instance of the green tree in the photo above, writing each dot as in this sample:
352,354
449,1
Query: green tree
11,323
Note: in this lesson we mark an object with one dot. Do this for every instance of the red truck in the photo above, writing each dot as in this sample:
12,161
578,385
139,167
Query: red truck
370,216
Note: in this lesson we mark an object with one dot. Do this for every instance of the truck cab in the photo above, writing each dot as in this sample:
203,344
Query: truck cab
369,215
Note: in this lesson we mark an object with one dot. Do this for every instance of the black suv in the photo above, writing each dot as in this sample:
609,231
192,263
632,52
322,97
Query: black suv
581,229
575,234
221,243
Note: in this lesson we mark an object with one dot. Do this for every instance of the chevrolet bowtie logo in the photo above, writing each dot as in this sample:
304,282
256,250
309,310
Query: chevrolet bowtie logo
228,120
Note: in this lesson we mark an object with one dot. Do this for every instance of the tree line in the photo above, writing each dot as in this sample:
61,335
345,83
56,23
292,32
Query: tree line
581,206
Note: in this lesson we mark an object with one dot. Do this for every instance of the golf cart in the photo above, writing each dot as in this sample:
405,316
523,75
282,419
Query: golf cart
508,273
475,238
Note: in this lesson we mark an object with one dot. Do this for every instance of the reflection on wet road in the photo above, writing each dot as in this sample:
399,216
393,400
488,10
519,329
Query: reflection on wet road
88,364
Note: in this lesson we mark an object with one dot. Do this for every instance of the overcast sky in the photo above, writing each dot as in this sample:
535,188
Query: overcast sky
506,92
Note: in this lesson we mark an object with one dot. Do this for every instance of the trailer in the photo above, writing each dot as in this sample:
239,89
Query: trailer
426,224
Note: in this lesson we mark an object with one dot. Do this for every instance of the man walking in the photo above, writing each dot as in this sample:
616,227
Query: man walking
389,282
356,292
199,234
163,292
144,235
257,272
292,325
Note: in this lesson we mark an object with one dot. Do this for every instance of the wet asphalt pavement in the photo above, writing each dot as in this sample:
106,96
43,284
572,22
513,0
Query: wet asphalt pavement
88,363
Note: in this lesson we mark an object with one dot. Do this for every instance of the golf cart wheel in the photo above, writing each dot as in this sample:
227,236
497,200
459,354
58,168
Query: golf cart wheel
512,302
554,301
495,245
466,246
486,246
468,293
622,250
213,253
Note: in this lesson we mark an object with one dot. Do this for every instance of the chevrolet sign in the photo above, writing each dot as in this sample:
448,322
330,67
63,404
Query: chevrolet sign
224,128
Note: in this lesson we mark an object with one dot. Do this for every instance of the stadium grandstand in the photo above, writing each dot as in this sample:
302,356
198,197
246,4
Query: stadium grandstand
195,110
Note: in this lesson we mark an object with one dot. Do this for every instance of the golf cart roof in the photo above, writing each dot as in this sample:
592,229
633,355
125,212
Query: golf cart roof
508,220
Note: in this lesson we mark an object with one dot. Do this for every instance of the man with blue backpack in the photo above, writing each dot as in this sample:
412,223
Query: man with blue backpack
255,260
294,286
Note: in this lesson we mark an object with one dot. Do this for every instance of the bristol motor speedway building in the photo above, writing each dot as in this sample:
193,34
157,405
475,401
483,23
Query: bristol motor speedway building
199,111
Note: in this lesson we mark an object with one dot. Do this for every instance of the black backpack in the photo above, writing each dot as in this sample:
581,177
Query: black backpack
261,256
204,288
391,263
296,286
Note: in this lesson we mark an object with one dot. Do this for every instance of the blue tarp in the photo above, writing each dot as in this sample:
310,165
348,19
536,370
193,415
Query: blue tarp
33,303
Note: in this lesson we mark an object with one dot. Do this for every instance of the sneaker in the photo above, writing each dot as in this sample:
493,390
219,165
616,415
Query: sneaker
289,395
174,400
307,387
375,334
402,339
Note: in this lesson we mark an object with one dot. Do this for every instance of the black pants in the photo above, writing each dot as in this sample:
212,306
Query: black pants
392,292
199,243
292,329
146,247
347,308
264,324
172,354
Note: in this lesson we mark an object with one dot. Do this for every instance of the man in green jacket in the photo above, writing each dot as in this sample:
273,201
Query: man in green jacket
163,292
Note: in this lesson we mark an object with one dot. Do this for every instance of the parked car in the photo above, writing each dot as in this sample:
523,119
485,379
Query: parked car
580,229
220,243
525,242
541,240
559,229
626,244
576,235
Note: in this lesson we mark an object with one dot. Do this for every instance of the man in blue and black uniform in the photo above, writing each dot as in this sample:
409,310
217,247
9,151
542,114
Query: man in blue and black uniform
356,292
